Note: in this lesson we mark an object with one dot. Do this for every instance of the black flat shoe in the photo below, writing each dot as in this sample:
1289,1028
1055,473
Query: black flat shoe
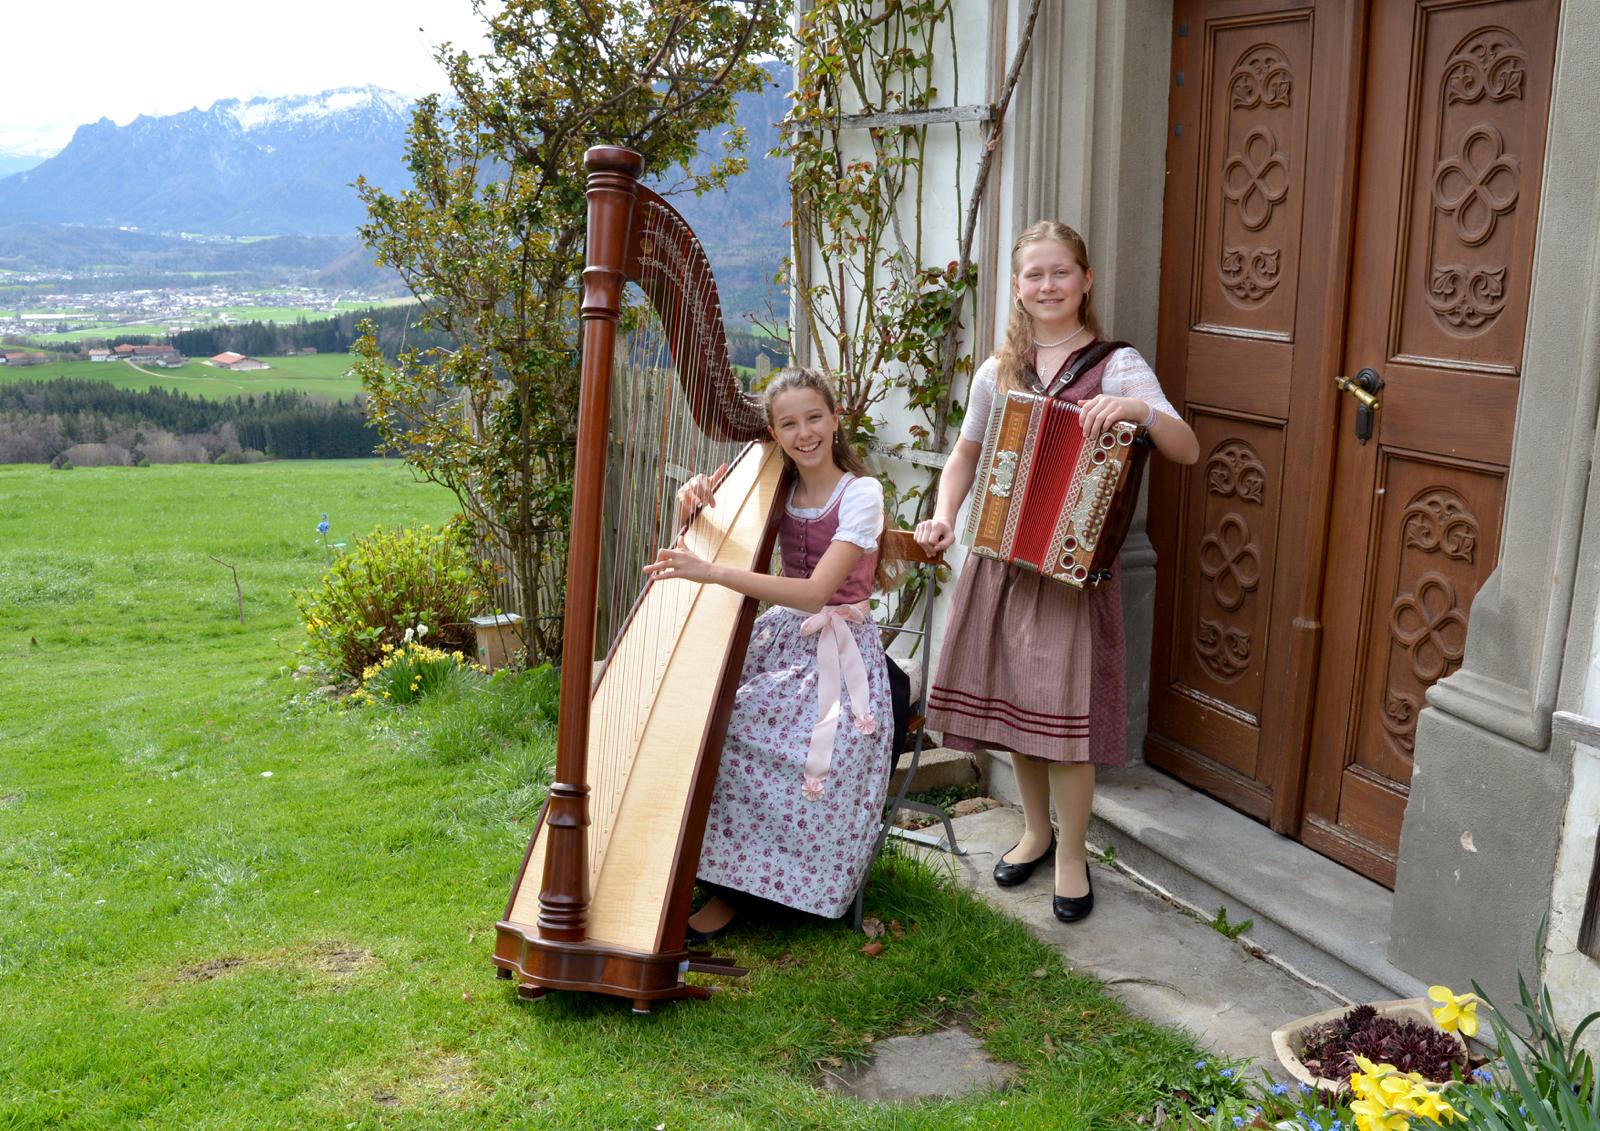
1070,909
1010,875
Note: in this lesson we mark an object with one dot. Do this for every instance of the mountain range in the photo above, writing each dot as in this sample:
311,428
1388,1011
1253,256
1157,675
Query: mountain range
278,166
283,167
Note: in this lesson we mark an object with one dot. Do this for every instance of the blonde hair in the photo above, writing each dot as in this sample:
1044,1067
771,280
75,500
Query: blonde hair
845,456
1013,351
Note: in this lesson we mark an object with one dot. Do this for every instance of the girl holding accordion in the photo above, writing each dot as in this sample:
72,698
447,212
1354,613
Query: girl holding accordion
1028,664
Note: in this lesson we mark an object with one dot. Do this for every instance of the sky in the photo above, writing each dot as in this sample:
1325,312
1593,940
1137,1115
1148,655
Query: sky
69,62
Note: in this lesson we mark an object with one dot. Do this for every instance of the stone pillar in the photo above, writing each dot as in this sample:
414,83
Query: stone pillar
1478,846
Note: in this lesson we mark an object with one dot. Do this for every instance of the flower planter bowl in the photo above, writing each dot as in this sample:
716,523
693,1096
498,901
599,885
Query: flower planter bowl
1286,1041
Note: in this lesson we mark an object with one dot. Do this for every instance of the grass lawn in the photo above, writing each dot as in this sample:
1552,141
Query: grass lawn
188,942
323,374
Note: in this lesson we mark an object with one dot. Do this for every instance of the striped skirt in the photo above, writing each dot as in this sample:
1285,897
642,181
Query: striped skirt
1033,666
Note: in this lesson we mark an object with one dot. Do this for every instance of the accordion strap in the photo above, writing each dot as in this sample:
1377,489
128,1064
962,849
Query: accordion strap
1091,356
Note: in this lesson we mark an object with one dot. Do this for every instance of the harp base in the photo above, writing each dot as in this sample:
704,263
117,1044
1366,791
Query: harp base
541,965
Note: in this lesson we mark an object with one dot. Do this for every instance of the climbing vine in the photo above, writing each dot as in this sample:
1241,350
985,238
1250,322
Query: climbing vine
882,311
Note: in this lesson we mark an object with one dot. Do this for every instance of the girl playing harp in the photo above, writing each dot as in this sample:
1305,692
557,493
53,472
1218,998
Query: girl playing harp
805,768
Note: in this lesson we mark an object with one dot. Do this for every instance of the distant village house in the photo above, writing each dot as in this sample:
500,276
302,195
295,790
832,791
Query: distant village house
237,362
22,357
164,356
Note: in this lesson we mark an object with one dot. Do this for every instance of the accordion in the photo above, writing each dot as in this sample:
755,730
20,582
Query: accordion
1049,500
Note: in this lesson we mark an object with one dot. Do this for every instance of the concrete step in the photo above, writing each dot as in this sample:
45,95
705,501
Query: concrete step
940,768
1320,919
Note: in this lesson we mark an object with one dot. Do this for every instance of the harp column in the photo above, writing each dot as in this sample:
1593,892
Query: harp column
564,897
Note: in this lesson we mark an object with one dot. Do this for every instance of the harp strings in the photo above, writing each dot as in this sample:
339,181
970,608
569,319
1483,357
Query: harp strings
660,407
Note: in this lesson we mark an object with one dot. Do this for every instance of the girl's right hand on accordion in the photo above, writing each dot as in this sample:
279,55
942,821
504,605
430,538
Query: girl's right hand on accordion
1102,411
934,534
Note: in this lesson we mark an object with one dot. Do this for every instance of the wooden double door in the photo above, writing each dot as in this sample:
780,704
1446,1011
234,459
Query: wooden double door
1352,193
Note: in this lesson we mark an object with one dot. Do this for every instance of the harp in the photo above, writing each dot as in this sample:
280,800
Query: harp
602,897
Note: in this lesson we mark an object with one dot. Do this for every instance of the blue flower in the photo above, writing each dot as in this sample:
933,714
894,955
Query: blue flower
1304,1087
323,527
1227,1074
1238,1121
1482,1075
1199,1064
1280,1089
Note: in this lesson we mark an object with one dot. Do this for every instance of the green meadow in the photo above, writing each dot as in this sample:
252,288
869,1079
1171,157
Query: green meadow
323,374
228,900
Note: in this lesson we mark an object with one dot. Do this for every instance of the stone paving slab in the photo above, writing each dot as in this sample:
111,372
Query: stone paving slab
939,1065
1161,962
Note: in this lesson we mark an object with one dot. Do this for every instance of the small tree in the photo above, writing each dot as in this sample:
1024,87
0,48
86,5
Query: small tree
490,240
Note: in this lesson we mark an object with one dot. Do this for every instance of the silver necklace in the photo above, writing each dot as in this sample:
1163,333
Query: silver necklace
1037,344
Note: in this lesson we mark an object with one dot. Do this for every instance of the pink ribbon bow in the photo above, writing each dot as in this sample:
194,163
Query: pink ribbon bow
837,655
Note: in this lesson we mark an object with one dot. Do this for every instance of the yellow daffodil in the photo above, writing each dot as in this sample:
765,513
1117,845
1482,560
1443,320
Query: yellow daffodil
1457,1012
1431,1105
1374,1116
1382,1083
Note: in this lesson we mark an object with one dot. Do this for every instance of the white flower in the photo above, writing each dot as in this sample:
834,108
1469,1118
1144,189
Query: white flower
422,630
408,635
266,773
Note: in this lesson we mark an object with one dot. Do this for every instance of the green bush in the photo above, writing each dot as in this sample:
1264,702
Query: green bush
391,587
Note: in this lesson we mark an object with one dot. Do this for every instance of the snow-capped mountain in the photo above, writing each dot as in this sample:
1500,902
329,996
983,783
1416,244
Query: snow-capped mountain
263,167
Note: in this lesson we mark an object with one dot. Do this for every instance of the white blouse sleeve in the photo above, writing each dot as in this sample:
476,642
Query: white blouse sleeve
980,401
861,513
1127,375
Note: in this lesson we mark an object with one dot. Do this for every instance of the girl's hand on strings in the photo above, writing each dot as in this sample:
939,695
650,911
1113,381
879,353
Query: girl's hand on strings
678,561
934,534
1101,412
700,491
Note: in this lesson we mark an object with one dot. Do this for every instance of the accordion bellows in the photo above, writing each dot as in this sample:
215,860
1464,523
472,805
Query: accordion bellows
1047,499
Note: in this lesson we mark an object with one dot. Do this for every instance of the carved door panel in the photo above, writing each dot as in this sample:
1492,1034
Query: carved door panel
1351,185
1452,151
1254,249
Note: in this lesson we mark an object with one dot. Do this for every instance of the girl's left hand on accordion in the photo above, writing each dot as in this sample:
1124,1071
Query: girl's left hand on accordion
1101,412
678,561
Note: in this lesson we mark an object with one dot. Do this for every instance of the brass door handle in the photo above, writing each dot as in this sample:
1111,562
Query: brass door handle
1359,389
1364,388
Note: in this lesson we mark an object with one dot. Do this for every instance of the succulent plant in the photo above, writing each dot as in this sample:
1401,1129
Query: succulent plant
1329,1050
